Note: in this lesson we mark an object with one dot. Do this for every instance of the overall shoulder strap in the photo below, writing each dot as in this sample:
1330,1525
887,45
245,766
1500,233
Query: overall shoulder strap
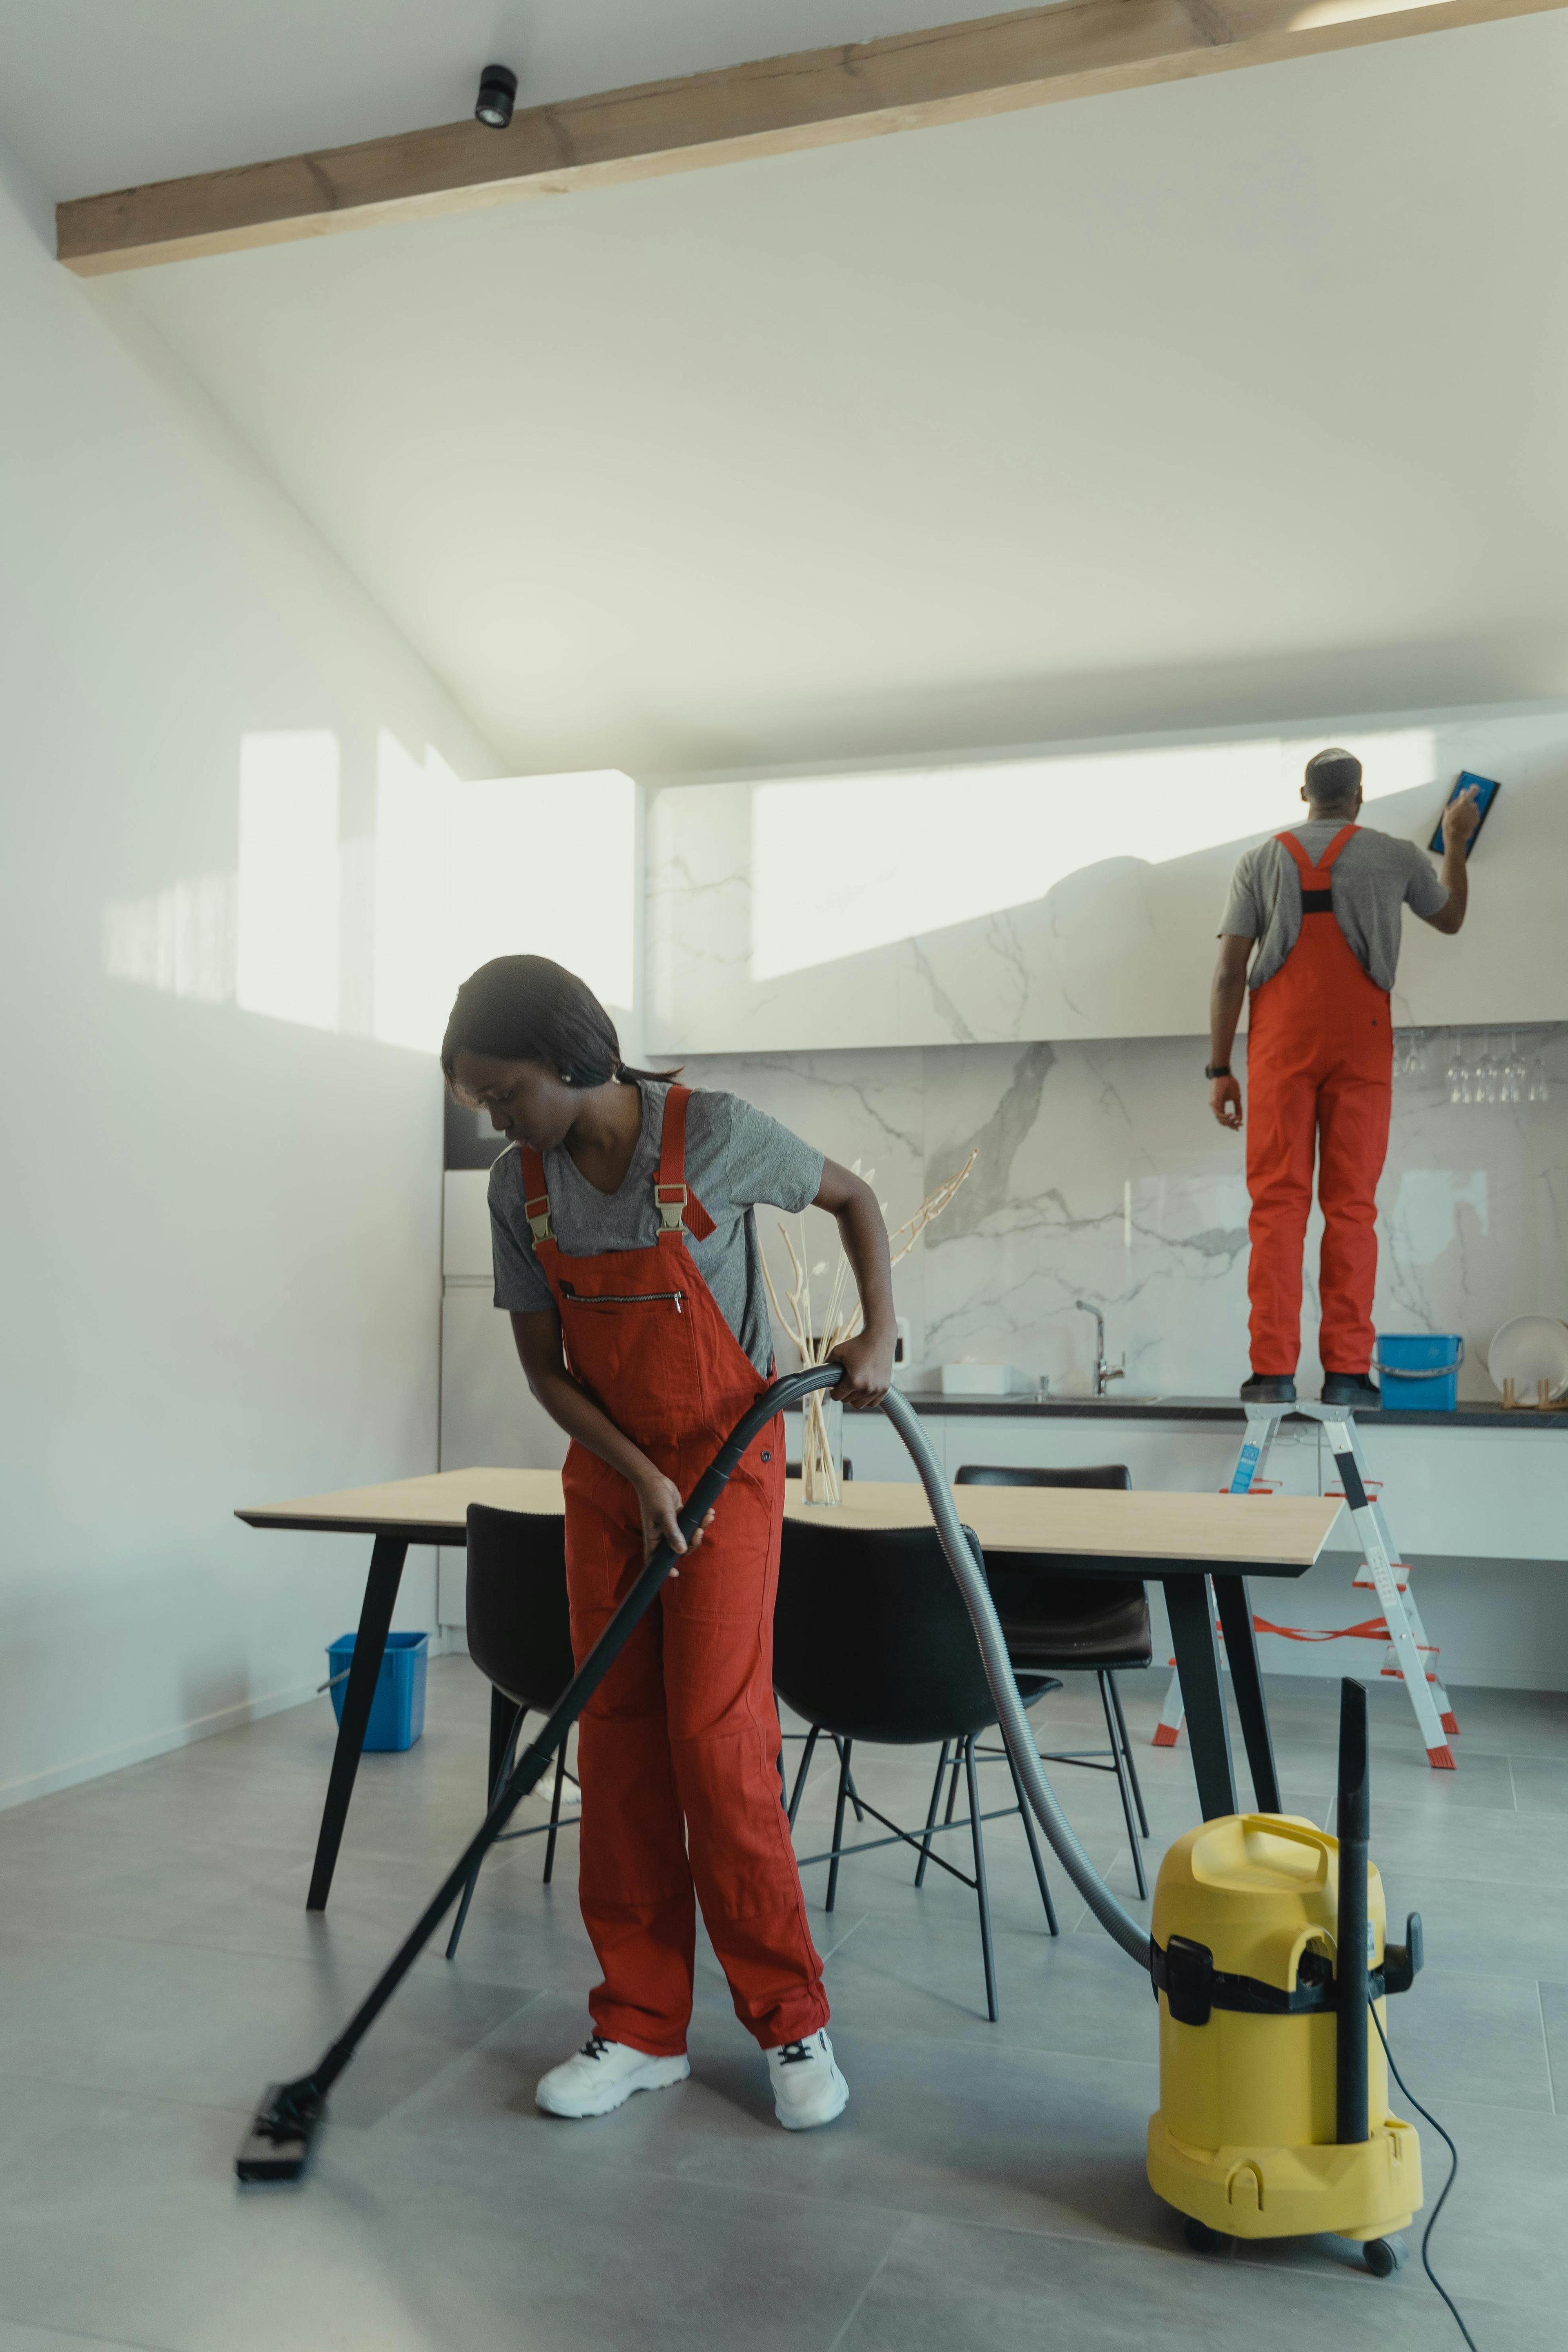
1307,869
1288,842
535,1197
676,1203
1334,848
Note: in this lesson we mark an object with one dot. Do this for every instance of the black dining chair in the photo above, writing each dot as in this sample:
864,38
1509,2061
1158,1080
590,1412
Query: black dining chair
519,1637
1076,1624
872,1643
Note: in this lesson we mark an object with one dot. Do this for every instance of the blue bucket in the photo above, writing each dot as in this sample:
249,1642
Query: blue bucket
1419,1370
397,1710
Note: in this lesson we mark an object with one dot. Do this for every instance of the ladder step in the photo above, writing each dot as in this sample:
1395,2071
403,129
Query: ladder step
1365,1581
1425,1651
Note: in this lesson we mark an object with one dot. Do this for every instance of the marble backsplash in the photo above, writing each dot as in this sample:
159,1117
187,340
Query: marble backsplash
1101,1175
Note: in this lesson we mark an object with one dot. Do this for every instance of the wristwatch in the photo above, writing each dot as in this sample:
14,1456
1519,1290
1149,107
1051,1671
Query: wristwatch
1216,1070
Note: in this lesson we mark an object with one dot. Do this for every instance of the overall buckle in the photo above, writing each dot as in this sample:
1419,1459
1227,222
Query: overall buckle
538,1215
671,1201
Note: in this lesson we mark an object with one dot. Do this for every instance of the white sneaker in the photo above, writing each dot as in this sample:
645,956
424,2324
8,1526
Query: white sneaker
808,2088
602,2076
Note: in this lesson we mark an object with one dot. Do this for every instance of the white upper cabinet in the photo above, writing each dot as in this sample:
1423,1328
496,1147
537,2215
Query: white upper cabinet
1077,895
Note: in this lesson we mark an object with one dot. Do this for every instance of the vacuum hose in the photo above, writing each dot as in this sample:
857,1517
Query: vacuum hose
1118,1922
970,1577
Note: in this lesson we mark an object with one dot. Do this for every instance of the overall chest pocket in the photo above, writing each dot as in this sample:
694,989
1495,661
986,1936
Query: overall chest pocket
635,1349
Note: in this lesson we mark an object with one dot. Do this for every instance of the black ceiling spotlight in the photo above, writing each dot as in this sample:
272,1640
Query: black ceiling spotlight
498,94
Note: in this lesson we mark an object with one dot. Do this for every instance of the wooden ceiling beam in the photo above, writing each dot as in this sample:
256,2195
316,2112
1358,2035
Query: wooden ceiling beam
951,73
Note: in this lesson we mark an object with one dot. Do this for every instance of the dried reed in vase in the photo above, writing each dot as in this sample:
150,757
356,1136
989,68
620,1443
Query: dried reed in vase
819,1477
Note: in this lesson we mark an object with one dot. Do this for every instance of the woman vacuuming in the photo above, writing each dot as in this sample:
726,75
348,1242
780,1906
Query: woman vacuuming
625,1249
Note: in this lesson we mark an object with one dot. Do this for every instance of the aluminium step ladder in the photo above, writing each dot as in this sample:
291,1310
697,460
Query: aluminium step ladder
1410,1657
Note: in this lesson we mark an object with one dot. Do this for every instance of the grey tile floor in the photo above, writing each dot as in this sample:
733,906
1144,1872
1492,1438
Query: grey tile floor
984,2192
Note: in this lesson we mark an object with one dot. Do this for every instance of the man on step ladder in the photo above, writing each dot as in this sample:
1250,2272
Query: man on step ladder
1412,1660
1321,905
1318,912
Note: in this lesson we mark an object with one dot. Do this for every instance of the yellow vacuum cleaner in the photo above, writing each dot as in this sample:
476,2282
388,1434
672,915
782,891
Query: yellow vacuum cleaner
1268,1945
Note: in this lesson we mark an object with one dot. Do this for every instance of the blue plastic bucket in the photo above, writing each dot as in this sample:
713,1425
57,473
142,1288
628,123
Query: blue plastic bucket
1419,1370
397,1710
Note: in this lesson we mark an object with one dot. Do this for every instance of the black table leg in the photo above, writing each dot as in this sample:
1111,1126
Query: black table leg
1197,1664
375,1618
1247,1681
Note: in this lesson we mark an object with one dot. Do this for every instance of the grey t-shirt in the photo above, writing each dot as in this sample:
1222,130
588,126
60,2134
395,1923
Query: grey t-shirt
735,1157
1372,878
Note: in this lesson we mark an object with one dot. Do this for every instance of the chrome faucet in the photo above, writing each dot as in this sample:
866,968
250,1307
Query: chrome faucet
1104,1373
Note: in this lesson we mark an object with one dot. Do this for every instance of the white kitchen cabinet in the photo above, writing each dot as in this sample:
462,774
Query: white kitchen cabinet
1068,902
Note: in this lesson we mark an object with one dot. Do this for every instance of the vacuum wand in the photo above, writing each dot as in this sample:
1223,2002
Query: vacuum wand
278,2143
1351,1958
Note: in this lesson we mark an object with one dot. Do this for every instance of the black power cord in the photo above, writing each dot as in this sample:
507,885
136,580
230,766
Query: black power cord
1453,2176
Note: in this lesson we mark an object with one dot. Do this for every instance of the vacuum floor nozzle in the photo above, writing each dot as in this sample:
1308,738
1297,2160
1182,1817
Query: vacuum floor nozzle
282,2130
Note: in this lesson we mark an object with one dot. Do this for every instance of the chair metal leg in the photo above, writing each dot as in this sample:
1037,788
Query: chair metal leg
1127,1750
1119,1761
844,1753
793,1806
854,1793
554,1813
504,1720
503,1749
1034,1845
931,1816
980,1888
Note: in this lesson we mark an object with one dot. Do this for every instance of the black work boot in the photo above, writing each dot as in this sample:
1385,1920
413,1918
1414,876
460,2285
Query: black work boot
1268,1388
1353,1389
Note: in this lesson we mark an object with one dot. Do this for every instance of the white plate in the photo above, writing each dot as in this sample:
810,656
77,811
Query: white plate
1531,1348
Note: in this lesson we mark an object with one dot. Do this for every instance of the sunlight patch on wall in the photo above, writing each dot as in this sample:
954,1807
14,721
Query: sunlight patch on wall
844,864
370,936
181,940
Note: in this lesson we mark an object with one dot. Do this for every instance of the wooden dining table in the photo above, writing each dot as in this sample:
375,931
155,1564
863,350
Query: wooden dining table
1201,1548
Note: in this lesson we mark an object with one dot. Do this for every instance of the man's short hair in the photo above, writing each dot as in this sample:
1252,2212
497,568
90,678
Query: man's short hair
1333,777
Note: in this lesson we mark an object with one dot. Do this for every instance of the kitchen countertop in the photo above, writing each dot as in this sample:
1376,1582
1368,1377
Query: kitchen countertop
1211,1409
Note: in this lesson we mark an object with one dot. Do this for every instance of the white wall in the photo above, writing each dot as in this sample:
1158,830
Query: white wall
221,1218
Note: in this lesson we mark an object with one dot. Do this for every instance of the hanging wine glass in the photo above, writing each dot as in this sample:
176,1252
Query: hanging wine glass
1418,1064
1539,1090
1514,1071
1486,1074
1457,1075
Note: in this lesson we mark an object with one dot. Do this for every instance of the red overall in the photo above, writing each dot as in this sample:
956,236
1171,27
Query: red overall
678,1750
1320,1056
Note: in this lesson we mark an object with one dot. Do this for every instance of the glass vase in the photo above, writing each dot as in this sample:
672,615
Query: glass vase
821,1449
